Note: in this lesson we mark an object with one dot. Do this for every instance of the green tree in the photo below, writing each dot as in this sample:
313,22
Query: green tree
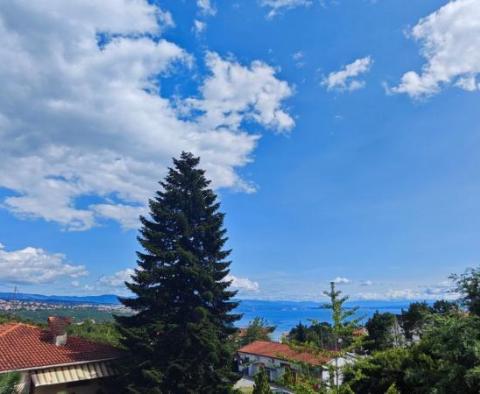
381,331
447,359
106,332
262,385
299,333
8,381
344,322
414,318
377,373
177,340
444,307
257,330
392,390
468,286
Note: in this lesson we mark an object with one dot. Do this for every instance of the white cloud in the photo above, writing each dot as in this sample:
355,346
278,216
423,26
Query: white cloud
206,7
450,43
341,280
234,93
278,5
35,266
242,284
366,283
298,57
126,215
344,80
442,290
81,110
199,26
116,281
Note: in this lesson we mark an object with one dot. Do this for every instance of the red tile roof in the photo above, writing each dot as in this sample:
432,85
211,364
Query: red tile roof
23,346
283,352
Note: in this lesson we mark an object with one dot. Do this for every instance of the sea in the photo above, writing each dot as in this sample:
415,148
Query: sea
285,315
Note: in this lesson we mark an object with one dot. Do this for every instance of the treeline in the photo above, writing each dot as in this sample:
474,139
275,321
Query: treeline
439,353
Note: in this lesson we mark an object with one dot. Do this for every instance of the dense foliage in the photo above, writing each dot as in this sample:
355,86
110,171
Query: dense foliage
96,332
177,341
468,285
442,356
261,386
326,336
445,360
320,334
382,331
414,318
8,381
258,330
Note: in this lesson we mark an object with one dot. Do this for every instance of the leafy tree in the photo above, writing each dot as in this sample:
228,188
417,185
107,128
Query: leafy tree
414,318
257,330
444,307
319,334
447,359
8,381
392,390
299,333
381,331
468,285
177,340
98,332
262,385
288,378
377,373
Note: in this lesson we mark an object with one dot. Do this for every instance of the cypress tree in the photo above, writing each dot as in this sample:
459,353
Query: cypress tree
261,386
178,339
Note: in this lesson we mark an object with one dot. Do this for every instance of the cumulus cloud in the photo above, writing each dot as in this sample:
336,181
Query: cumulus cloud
450,44
82,114
199,26
242,284
277,6
206,7
341,280
117,280
442,290
35,266
233,93
345,79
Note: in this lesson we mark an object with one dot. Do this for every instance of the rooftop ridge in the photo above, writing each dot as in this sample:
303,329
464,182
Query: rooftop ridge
13,327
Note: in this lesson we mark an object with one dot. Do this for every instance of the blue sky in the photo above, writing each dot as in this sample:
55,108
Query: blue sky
342,137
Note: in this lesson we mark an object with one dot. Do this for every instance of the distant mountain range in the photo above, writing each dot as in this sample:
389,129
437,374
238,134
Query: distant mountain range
100,299
112,299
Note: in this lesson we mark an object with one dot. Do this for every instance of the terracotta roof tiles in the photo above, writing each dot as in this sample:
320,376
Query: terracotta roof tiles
23,346
283,352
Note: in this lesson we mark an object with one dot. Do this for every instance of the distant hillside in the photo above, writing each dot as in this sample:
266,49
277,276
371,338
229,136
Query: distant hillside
100,299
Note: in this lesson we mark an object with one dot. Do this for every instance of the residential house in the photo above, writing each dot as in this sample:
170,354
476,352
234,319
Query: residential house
276,358
50,362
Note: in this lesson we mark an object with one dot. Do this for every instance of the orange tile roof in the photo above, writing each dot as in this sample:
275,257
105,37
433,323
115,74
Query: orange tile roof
283,352
23,346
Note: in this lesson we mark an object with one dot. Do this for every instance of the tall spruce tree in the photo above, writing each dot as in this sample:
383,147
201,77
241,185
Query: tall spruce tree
178,339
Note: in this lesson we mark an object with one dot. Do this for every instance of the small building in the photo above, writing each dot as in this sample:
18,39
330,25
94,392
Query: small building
276,358
50,362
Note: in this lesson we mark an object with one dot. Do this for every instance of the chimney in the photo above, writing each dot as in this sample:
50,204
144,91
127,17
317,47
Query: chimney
57,326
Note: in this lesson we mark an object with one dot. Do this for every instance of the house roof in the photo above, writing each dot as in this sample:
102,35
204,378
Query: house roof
24,347
283,352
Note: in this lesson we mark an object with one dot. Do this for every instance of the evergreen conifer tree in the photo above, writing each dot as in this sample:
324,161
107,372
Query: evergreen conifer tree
261,386
178,339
